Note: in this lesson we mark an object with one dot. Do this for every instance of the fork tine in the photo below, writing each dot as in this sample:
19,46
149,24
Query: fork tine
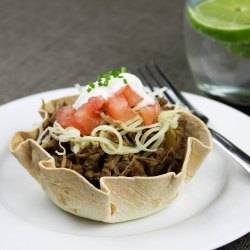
149,83
171,86
177,93
145,79
159,84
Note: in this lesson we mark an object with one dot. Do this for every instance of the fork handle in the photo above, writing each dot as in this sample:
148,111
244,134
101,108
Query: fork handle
237,154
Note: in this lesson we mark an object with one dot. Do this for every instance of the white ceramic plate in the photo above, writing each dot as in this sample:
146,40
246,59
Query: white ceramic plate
212,210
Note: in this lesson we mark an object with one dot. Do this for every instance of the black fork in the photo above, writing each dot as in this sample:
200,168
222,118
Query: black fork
153,76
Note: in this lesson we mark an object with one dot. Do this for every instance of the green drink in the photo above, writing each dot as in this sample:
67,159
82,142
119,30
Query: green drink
217,37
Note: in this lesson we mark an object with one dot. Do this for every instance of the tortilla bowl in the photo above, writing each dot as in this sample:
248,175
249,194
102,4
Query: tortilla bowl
119,198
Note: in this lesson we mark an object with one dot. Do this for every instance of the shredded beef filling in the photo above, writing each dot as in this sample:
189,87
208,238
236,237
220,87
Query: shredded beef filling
93,163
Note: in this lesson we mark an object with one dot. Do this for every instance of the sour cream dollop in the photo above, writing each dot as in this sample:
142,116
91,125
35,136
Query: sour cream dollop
115,84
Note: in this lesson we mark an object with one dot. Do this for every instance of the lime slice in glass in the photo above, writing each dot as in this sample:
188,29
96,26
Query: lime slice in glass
238,49
223,20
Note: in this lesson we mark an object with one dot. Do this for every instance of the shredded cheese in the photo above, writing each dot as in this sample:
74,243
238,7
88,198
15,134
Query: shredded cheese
147,138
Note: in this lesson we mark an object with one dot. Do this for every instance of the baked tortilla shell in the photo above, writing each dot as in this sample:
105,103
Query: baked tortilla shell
119,198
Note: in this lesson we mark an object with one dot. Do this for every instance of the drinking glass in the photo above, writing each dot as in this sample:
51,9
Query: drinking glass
219,59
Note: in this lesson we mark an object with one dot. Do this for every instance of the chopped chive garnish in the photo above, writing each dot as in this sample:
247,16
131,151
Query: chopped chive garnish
103,80
123,69
92,85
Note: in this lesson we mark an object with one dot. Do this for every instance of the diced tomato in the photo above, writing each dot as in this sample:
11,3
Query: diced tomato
150,113
157,110
87,117
130,95
96,103
64,114
118,108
